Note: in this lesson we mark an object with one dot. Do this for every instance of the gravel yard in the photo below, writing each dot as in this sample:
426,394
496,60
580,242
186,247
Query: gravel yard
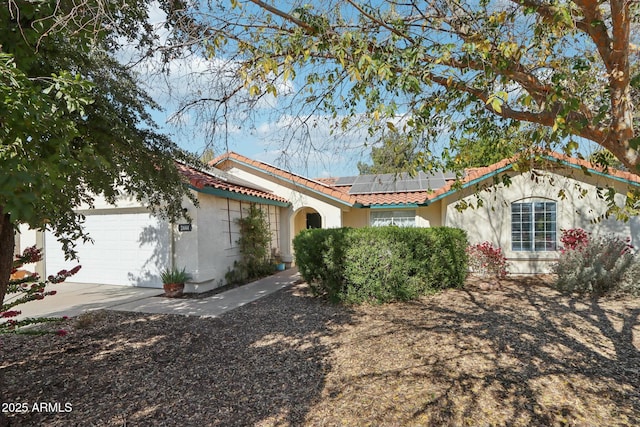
519,355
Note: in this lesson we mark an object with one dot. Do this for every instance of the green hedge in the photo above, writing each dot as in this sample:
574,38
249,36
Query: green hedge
381,264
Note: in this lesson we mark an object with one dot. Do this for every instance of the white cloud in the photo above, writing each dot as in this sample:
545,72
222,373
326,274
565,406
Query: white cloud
312,145
253,126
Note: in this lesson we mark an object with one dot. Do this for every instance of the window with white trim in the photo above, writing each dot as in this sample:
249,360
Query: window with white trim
534,226
401,218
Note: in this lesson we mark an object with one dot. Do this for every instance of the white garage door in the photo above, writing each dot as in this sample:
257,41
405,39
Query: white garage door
128,249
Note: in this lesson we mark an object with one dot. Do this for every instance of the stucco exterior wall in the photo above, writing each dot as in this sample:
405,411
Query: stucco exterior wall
429,216
426,216
492,221
300,197
356,218
25,238
209,251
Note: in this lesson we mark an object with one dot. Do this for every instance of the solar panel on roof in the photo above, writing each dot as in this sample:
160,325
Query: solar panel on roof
361,188
346,180
367,178
383,187
433,182
413,185
449,175
396,183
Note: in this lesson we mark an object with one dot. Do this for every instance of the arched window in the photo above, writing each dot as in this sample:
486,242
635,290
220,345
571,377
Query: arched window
534,225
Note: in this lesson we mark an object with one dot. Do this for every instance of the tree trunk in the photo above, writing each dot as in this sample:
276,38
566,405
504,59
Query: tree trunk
6,251
7,243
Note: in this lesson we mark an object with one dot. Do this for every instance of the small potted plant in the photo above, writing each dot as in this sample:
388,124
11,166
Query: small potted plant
279,264
173,281
276,260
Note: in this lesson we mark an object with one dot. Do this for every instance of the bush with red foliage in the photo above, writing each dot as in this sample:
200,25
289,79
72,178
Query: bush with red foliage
487,260
28,288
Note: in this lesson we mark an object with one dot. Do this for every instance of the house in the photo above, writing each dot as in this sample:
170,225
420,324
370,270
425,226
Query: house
524,218
131,246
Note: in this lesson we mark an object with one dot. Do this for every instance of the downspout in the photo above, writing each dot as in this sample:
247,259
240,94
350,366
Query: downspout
172,240
41,266
172,244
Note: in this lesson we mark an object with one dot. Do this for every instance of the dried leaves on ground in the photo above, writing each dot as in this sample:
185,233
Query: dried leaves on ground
517,354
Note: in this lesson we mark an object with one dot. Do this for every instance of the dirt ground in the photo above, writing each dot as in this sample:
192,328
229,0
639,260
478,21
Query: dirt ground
517,354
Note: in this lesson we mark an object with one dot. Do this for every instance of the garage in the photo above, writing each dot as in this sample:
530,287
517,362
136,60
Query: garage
129,248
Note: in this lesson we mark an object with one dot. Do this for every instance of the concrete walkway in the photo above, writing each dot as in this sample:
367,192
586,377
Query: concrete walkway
75,298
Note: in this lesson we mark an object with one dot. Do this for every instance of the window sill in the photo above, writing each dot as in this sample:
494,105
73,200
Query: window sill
532,255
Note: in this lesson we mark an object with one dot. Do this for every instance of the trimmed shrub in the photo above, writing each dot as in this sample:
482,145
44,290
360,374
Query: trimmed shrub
487,260
319,255
381,264
595,266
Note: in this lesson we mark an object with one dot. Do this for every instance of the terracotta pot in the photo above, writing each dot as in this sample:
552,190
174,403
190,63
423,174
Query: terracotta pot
173,290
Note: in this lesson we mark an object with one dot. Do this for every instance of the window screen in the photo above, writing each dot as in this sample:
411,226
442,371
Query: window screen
533,226
405,218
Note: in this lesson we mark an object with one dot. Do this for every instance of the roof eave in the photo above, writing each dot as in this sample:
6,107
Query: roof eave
591,170
469,184
546,157
239,196
290,181
394,205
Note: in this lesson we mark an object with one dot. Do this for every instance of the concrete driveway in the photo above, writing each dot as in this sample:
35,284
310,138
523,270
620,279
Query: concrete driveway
73,299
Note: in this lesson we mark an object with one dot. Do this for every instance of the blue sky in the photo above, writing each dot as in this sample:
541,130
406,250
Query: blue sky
272,142
269,133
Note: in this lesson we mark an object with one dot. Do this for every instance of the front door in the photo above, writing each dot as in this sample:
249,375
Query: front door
314,220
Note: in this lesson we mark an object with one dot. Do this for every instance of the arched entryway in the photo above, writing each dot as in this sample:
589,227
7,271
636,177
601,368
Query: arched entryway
306,218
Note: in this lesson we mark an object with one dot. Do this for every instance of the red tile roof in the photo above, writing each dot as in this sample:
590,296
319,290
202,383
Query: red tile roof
475,174
398,198
328,181
327,185
200,179
628,176
288,176
416,197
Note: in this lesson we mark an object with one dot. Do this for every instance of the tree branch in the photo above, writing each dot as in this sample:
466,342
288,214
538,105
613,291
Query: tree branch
619,76
546,118
381,23
593,24
309,28
515,71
